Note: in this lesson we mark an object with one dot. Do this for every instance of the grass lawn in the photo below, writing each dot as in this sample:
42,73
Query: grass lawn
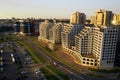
47,74
55,70
31,52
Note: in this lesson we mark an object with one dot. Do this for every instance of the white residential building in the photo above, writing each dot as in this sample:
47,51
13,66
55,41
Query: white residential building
68,34
50,32
98,44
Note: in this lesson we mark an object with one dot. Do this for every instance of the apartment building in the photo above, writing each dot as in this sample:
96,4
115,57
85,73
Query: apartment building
98,44
68,34
50,31
103,17
116,19
78,18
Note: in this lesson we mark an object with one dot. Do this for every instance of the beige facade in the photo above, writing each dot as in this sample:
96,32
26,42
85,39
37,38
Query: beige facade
87,44
116,19
103,17
50,32
44,28
78,18
68,34
92,19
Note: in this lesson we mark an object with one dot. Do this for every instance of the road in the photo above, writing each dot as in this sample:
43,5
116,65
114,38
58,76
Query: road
47,58
74,75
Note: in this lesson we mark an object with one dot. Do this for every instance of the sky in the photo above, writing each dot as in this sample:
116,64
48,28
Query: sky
54,8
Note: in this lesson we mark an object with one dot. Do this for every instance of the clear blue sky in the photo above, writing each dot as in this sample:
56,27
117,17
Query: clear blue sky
54,8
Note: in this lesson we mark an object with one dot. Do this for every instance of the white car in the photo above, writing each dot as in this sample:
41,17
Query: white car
37,71
12,55
23,72
1,51
1,63
1,58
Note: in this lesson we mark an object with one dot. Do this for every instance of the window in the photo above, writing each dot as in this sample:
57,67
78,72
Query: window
95,64
83,58
95,60
91,63
91,60
87,59
87,62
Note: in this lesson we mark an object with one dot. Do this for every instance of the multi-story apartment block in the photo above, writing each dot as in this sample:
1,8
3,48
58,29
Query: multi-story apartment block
116,19
68,34
103,17
78,18
55,33
97,46
50,31
44,29
117,56
92,19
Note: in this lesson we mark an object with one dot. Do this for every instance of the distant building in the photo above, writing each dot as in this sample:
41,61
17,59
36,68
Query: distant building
6,26
116,19
25,27
55,33
78,18
103,17
92,19
50,32
44,29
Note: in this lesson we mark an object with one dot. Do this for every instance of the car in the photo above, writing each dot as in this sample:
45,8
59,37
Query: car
12,55
28,58
54,63
1,64
1,58
1,69
30,62
24,52
13,60
23,72
1,51
37,71
40,77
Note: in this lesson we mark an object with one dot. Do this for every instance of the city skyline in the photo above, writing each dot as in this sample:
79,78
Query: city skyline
54,9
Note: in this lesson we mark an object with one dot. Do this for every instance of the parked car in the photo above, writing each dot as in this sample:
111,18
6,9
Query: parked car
23,74
1,58
37,71
1,69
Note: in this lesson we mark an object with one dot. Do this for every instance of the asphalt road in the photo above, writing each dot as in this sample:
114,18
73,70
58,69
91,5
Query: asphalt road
74,75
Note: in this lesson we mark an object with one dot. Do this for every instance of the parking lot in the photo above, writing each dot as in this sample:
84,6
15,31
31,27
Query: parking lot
8,69
16,64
